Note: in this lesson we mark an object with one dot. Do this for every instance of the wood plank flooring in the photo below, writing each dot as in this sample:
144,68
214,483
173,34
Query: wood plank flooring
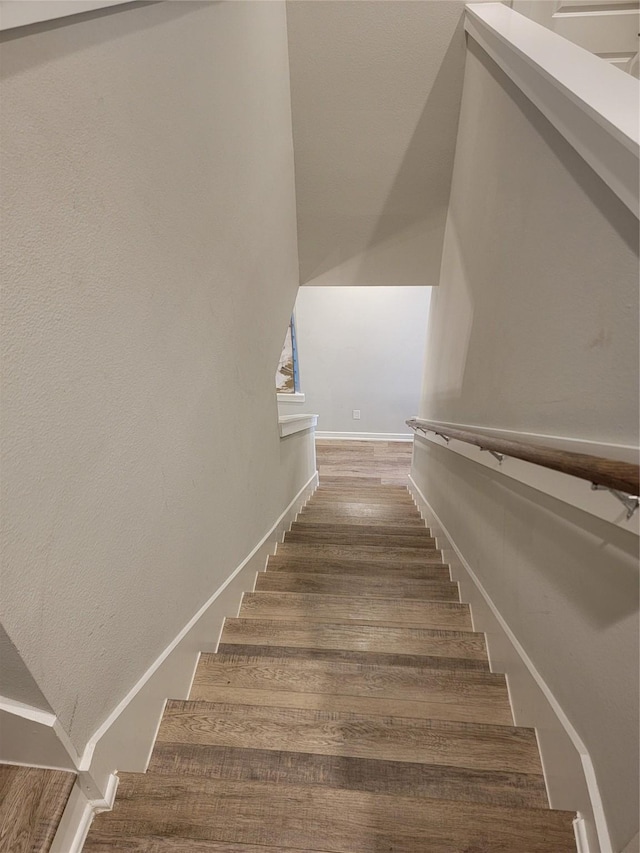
31,804
350,707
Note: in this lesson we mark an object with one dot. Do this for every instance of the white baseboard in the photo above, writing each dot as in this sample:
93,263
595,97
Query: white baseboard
567,766
366,436
125,740
76,820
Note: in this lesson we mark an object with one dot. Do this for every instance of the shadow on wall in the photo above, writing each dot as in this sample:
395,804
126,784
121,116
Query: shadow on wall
525,327
406,231
119,21
420,177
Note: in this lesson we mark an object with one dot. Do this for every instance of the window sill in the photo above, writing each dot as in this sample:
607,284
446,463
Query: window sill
288,424
298,397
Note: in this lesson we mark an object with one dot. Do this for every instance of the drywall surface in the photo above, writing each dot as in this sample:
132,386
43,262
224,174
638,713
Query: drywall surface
375,98
535,328
361,348
566,583
146,296
16,682
535,324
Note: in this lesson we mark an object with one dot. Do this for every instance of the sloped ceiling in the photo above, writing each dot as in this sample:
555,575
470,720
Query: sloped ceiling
376,88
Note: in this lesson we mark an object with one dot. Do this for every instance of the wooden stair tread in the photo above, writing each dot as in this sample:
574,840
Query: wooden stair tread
113,841
386,554
416,528
366,638
455,744
483,694
349,708
344,497
377,587
411,540
330,487
285,698
352,656
318,519
344,608
32,801
324,819
403,778
366,568
360,509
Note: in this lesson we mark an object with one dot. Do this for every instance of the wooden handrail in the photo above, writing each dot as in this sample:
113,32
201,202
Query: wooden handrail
608,473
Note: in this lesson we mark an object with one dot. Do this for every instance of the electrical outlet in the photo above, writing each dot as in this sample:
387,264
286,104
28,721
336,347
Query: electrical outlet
356,414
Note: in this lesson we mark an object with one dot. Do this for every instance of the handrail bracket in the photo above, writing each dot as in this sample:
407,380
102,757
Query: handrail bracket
630,502
494,453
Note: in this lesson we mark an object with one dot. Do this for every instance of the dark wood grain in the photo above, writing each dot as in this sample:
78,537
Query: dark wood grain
387,554
365,638
316,818
352,656
31,804
379,587
345,608
319,519
363,568
473,689
402,778
611,473
357,538
455,744
360,508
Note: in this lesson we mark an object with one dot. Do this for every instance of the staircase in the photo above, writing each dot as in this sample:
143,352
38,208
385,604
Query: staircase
350,707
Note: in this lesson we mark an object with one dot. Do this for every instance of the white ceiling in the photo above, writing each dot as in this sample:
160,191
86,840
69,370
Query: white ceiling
376,88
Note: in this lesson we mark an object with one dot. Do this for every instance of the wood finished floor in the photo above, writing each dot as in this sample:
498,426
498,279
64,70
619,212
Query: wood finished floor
350,707
31,804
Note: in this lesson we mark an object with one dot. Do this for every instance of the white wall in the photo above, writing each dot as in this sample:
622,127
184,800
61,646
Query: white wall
18,685
535,327
146,297
375,98
361,348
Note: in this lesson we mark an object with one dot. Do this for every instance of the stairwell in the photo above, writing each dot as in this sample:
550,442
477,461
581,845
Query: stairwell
350,707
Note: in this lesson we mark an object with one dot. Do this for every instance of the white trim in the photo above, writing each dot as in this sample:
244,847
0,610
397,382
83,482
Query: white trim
489,620
29,712
77,817
20,13
587,100
126,738
365,436
296,397
288,424
571,490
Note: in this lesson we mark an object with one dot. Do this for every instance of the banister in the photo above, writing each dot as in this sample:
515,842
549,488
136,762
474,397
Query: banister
605,473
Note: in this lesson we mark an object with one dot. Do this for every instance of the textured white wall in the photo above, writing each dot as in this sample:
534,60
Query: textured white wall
361,348
535,327
150,269
375,98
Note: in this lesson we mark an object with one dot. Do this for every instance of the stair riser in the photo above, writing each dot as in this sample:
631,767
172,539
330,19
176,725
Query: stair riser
414,529
307,565
319,635
288,817
344,608
319,520
387,555
404,779
357,736
346,585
